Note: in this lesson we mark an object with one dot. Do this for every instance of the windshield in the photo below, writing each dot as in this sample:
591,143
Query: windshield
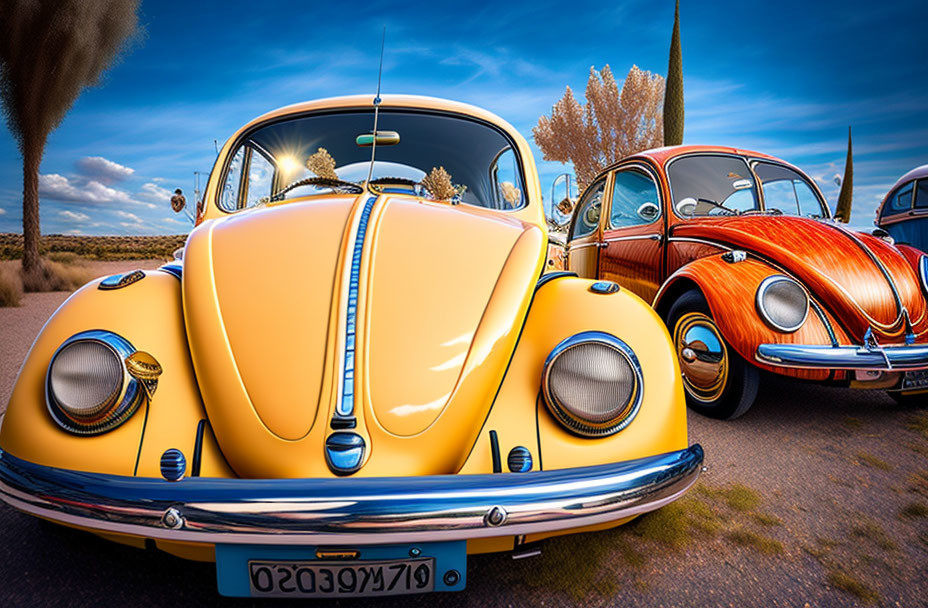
787,191
712,185
434,155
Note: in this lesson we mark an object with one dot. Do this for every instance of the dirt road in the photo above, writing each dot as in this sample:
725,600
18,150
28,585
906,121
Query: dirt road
817,497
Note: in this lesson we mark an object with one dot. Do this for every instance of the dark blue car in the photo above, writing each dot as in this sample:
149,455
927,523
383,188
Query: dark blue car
904,211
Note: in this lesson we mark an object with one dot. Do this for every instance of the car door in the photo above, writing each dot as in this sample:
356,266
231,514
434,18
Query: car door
583,238
632,251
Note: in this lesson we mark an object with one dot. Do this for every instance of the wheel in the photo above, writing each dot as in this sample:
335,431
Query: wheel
719,383
916,399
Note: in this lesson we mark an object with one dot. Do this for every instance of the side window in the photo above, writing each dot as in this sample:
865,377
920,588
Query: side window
260,179
634,199
505,175
921,194
230,189
900,201
787,191
588,210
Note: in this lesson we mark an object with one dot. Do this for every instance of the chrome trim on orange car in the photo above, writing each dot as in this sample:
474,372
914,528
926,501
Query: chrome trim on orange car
872,357
762,307
348,511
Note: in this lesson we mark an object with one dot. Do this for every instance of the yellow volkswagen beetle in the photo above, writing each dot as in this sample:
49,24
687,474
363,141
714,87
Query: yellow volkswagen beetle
357,374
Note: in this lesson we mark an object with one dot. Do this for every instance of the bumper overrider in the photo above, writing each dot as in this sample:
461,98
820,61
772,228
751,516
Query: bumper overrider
357,511
876,358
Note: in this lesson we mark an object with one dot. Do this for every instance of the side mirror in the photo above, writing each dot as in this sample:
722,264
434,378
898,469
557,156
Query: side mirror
686,207
561,211
648,211
178,201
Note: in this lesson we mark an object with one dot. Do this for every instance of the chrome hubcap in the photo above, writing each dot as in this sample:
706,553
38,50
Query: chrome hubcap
703,356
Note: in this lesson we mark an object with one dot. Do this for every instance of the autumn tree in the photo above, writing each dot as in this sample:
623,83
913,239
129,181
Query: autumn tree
846,195
612,124
673,98
50,50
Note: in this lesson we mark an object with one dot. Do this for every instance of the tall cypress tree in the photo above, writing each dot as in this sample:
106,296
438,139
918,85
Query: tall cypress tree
846,196
673,95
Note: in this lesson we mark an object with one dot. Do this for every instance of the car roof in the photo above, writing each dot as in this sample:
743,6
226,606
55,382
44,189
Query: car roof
662,155
916,173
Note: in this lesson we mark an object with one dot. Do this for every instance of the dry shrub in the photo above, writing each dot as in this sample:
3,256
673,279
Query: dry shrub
438,183
322,164
612,124
11,287
68,258
55,276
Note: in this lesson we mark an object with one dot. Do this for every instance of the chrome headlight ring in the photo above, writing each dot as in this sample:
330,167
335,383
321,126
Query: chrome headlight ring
592,379
88,388
782,303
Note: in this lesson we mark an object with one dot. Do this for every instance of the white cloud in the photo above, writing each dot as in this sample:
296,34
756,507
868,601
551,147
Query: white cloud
74,216
74,232
2,210
129,216
102,170
154,192
60,188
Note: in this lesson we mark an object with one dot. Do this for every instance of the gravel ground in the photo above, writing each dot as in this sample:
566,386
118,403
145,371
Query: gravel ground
816,497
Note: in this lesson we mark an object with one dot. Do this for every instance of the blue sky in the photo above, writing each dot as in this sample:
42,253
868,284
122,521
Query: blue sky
785,78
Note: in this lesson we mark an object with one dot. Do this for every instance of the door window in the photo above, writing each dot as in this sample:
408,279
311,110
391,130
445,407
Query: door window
260,179
634,199
921,194
587,216
230,190
505,175
787,191
900,201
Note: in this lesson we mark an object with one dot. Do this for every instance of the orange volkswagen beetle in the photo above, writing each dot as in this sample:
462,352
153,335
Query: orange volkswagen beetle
737,253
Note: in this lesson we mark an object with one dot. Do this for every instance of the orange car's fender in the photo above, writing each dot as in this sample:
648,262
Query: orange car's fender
561,308
730,290
148,314
912,255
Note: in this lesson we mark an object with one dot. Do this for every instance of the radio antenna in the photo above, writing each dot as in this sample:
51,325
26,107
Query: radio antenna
383,40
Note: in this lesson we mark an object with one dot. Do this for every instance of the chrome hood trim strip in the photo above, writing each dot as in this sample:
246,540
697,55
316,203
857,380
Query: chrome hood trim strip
344,408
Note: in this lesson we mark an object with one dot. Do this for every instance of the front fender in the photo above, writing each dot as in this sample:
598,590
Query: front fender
561,308
730,290
149,315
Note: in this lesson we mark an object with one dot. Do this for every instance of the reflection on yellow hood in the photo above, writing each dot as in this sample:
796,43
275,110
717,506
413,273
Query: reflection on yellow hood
442,294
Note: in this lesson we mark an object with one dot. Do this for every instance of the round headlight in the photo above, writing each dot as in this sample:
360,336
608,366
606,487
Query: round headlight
782,303
592,383
87,387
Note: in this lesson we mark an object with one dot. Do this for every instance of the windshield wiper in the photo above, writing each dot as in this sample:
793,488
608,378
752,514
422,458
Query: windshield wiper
719,205
326,182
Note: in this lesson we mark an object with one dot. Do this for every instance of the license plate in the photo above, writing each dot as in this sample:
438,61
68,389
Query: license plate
338,571
915,379
341,579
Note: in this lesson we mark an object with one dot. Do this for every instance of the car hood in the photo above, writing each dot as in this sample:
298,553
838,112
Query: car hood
433,313
864,281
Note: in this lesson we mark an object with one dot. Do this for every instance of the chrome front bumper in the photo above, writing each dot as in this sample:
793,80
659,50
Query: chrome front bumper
355,511
878,358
